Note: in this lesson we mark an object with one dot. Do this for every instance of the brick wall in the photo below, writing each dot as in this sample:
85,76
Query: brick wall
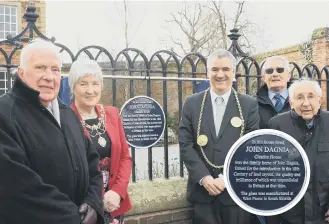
157,88
40,9
318,53
292,53
40,23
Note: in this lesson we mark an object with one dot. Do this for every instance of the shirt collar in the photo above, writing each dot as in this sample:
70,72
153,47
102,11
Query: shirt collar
225,96
283,94
50,107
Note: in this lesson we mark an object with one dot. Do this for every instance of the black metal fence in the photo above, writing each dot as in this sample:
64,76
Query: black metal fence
164,76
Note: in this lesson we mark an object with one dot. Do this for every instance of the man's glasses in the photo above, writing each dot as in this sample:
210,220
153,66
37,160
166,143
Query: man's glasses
270,71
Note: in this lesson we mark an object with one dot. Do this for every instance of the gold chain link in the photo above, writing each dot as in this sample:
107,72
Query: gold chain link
200,119
100,125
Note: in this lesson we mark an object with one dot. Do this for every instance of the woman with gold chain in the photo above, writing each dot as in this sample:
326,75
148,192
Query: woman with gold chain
102,124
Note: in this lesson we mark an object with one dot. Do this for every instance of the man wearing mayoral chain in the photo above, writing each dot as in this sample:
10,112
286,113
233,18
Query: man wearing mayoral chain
212,121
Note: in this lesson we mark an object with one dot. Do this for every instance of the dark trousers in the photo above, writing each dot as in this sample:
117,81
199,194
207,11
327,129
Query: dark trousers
295,215
278,219
217,213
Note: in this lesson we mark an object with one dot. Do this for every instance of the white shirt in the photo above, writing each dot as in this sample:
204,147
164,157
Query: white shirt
53,108
213,95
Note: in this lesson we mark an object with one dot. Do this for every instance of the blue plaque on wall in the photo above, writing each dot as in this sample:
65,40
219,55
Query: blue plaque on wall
143,121
266,172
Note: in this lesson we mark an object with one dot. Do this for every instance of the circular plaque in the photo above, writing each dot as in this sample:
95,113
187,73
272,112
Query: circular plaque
143,121
266,172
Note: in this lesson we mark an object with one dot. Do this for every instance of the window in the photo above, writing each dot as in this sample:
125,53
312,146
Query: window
8,21
3,82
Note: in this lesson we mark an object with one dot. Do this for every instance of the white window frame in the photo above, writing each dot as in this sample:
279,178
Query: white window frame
4,80
4,23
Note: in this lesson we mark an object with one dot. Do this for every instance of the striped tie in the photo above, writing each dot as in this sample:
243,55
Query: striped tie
278,105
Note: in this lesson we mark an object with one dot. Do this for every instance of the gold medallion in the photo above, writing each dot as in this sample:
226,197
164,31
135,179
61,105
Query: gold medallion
236,122
202,140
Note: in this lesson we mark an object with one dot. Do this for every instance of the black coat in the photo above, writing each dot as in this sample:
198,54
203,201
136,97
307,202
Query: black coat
217,146
46,171
315,142
266,108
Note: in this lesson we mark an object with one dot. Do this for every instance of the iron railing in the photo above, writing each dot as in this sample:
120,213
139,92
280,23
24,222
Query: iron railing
132,73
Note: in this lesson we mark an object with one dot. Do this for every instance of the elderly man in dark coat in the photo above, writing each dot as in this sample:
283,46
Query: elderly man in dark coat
48,168
308,124
273,96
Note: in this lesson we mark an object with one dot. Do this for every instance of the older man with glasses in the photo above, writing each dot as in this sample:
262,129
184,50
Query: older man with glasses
273,97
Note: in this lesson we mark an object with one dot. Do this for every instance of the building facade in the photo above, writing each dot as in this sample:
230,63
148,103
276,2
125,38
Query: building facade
12,22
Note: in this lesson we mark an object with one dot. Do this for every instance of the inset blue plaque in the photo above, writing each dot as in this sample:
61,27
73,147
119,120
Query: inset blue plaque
143,121
266,172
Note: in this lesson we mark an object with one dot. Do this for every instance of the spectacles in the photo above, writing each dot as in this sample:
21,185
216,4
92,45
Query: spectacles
270,71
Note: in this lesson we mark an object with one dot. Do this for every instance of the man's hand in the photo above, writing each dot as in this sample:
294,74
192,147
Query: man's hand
327,216
111,201
88,214
219,182
212,186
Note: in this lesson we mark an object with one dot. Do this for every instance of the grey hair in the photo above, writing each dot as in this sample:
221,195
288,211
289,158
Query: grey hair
220,53
276,57
81,68
305,81
39,44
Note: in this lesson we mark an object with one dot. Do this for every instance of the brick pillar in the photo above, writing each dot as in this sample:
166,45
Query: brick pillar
320,53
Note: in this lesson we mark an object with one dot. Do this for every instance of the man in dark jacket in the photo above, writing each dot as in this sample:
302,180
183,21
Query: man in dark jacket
308,124
273,97
48,168
211,123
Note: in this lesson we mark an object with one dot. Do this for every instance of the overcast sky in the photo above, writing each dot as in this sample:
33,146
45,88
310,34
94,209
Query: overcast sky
80,23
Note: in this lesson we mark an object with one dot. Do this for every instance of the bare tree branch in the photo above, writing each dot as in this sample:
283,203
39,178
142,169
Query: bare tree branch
238,13
180,24
179,44
126,24
204,26
222,22
197,25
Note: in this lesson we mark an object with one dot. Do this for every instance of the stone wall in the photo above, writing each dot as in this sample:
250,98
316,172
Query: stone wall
159,201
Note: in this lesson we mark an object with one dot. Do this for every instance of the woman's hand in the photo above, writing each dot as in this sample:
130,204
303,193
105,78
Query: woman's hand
111,201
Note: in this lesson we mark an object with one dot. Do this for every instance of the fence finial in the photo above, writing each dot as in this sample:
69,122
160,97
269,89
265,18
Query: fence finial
31,15
235,49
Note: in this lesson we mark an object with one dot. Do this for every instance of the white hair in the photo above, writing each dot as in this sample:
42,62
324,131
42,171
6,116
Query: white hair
37,44
220,53
276,57
81,68
305,81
